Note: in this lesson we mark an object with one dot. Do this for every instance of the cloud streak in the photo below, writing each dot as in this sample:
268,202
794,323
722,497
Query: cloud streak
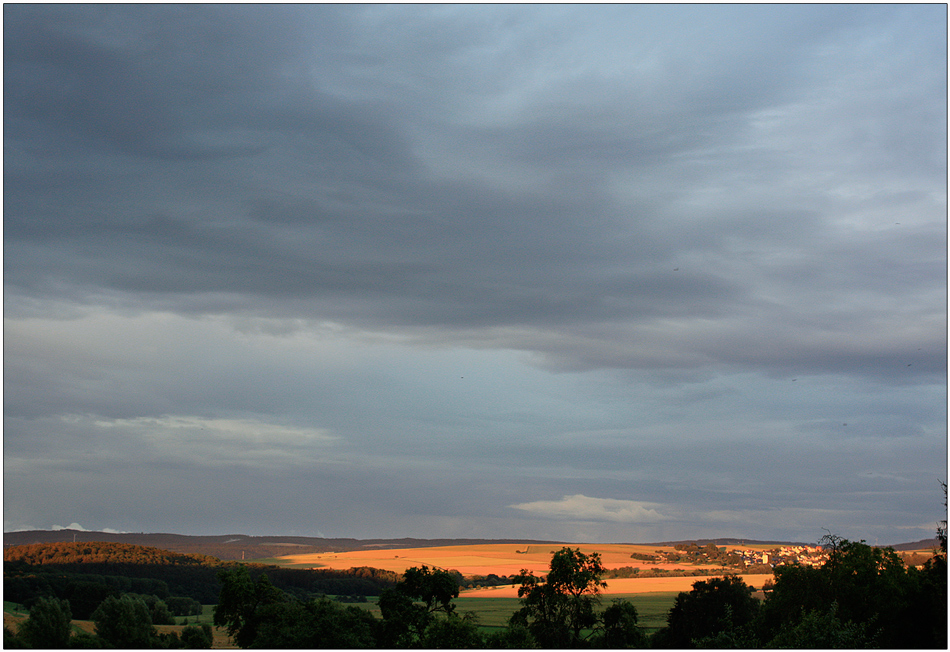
585,508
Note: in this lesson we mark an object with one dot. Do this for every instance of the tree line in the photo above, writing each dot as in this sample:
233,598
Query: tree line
126,621
862,596
87,573
93,552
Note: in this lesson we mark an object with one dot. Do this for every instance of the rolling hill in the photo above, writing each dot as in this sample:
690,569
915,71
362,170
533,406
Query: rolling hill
242,546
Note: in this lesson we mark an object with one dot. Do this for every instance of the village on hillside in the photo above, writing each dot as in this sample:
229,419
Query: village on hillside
804,555
739,557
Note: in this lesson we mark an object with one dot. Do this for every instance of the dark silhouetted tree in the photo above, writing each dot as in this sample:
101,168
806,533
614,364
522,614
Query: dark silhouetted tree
409,608
559,609
861,592
320,623
48,625
196,637
454,633
823,629
241,601
124,622
513,637
620,628
721,605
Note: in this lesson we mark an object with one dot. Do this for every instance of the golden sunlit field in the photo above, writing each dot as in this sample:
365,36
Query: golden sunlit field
500,559
509,559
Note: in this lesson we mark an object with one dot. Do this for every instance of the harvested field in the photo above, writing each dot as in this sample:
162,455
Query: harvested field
11,621
485,559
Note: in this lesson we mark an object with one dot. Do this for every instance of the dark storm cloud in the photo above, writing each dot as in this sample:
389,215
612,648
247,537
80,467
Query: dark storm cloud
306,194
371,232
139,82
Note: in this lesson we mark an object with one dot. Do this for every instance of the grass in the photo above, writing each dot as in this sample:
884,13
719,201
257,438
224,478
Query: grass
493,613
652,608
206,617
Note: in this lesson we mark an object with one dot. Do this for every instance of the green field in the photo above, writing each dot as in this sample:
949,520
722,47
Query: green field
206,617
493,613
12,607
652,608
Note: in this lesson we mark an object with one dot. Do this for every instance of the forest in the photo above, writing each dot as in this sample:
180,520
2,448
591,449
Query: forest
863,597
87,573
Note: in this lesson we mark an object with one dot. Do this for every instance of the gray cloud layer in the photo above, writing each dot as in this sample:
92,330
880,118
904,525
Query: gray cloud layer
660,243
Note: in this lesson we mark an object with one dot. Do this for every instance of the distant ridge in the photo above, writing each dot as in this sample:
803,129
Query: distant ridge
731,542
242,546
924,544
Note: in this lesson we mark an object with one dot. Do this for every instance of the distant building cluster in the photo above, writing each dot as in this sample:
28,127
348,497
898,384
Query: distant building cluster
804,555
739,557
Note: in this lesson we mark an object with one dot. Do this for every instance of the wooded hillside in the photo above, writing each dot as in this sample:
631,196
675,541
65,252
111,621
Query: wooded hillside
102,552
87,572
237,546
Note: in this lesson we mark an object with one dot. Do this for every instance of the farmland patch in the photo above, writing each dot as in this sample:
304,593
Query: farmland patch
482,559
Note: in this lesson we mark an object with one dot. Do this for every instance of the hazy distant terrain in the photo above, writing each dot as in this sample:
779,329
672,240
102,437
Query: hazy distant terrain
240,546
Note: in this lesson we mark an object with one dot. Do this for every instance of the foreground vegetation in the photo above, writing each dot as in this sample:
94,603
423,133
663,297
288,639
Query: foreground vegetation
861,597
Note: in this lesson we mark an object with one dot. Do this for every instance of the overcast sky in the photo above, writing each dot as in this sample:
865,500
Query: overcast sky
610,273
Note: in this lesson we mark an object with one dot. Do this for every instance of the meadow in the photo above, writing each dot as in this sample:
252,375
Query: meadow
493,612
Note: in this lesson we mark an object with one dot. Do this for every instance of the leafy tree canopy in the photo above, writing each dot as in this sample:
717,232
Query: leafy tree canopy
559,611
124,622
101,552
48,625
863,586
715,606
409,608
240,603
